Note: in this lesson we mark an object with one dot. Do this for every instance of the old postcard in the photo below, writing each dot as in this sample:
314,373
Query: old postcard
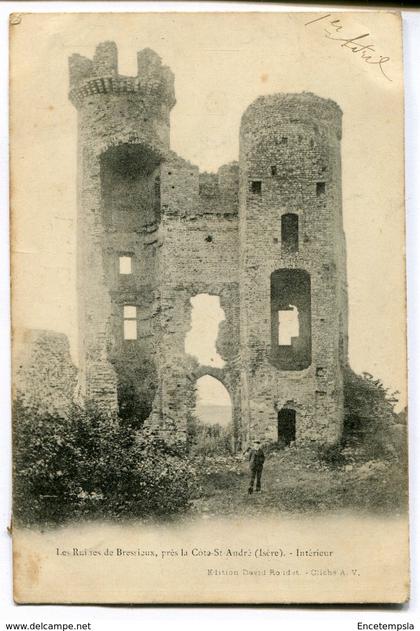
208,308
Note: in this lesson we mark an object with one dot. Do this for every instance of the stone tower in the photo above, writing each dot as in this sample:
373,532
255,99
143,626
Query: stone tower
264,236
123,126
293,296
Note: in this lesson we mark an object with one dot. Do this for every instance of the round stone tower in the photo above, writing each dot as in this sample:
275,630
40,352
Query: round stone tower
123,138
293,297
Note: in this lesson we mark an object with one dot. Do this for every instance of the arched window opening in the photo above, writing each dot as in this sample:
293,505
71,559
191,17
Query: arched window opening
130,187
291,319
290,232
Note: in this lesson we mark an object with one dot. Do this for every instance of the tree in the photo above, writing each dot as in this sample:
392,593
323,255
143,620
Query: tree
369,416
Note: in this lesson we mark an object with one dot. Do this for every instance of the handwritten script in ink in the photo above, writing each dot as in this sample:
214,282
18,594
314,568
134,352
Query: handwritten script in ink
358,45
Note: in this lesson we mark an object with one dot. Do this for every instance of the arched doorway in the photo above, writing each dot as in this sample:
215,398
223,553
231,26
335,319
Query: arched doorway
213,404
286,426
211,430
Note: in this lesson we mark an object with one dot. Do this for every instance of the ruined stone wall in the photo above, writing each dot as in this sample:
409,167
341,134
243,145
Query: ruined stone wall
139,199
198,253
44,374
290,146
116,113
188,233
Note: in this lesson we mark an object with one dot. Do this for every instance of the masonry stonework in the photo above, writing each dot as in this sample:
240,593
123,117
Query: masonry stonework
44,375
265,235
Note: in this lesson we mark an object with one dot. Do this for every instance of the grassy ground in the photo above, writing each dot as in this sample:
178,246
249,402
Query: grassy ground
297,481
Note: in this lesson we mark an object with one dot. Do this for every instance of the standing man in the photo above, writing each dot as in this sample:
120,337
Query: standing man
256,463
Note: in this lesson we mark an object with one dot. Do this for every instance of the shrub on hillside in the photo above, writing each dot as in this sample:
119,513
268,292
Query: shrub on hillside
89,465
44,465
370,419
209,440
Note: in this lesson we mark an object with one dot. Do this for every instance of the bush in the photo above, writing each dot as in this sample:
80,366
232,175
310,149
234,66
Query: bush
370,419
331,455
89,465
209,440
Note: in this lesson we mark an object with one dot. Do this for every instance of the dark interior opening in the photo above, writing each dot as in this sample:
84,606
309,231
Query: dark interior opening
256,187
286,426
136,384
130,187
290,232
320,188
291,293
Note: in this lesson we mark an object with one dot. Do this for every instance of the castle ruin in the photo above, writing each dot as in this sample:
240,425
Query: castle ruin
264,235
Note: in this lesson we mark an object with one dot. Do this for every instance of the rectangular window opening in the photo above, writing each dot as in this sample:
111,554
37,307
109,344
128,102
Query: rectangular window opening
273,170
320,188
290,232
125,264
284,140
288,325
256,187
130,322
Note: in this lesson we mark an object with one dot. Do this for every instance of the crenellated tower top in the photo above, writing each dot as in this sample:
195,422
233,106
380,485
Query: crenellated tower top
100,76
